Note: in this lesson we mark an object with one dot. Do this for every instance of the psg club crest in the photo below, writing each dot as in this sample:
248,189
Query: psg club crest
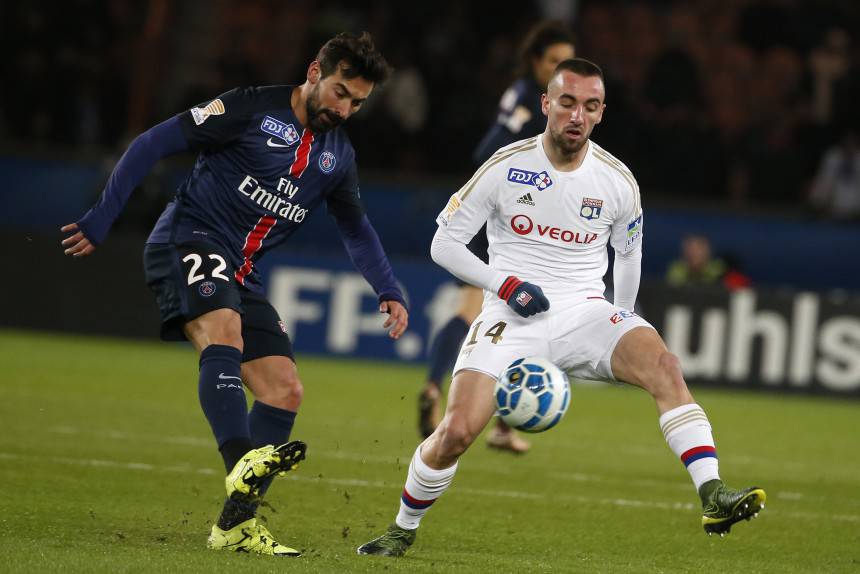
591,208
207,288
327,162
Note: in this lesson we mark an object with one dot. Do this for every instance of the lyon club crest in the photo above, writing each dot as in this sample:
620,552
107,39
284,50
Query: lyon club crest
591,208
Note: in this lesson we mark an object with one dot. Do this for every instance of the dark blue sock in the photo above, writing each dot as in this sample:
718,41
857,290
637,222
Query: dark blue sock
443,350
269,425
223,400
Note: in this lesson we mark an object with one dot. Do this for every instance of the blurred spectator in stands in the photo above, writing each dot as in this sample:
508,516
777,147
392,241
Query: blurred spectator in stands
829,63
696,265
836,190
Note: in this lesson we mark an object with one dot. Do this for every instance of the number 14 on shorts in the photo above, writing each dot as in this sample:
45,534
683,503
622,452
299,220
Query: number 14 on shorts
494,332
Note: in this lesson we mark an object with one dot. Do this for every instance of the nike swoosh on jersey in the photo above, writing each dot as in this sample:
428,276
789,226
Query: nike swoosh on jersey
224,377
270,143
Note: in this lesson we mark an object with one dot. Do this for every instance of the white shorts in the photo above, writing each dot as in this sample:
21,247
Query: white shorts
578,335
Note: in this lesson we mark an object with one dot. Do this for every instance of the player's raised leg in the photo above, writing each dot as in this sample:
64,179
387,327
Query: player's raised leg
277,390
443,354
217,335
641,358
470,407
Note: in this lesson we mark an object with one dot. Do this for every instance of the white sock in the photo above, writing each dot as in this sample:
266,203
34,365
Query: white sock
423,486
688,432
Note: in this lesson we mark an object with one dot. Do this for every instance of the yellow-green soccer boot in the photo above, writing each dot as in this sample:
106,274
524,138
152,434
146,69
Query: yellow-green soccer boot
259,464
249,537
723,506
395,542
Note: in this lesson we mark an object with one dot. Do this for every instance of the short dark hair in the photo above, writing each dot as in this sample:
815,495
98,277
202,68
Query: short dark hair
580,66
540,37
355,55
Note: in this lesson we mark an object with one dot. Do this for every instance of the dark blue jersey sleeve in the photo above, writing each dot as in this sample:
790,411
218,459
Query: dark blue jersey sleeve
345,201
218,122
360,239
366,252
144,152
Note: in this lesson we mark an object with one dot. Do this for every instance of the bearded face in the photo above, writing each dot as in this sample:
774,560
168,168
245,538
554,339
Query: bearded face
569,138
320,119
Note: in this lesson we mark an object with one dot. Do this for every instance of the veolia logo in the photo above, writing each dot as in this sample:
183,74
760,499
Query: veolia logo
522,224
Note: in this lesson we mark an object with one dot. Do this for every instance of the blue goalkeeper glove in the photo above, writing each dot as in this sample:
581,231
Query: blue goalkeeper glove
526,299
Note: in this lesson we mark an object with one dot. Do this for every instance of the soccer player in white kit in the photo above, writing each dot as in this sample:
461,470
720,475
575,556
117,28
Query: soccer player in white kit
552,204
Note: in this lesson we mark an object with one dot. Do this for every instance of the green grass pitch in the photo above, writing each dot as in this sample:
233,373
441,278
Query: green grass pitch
107,465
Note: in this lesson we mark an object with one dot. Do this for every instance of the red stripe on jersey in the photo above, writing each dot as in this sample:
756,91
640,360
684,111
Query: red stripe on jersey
253,242
303,154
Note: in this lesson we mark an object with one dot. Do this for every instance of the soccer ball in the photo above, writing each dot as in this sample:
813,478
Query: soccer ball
532,394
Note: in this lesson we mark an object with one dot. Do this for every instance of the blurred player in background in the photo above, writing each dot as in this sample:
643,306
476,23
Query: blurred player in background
519,116
580,200
268,157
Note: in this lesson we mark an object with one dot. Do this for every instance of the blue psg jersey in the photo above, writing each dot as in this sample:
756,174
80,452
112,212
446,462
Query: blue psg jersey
519,116
257,178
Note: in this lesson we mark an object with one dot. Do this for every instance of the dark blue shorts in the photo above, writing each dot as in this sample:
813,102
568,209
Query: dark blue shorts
192,279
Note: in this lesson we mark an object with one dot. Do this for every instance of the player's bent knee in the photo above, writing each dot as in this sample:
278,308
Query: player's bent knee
455,437
220,327
670,380
669,364
285,392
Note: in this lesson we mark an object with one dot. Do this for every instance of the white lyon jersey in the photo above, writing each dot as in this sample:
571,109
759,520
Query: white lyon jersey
548,227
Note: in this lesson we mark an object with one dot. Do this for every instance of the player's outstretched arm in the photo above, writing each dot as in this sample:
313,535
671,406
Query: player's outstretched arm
526,299
364,248
144,152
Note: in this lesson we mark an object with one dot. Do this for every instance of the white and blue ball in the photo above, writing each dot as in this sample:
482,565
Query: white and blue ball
532,394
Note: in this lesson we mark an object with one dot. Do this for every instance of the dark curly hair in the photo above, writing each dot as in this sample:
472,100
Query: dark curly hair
355,55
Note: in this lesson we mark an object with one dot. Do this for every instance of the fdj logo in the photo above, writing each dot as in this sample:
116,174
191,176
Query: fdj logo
277,128
521,176
539,180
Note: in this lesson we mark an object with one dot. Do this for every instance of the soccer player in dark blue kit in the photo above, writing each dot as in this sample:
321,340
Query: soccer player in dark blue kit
519,116
268,157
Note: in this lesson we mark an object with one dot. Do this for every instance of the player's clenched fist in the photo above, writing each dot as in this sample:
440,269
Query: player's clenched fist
526,299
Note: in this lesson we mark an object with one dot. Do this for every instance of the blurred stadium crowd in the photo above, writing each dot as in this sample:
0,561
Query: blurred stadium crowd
745,102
